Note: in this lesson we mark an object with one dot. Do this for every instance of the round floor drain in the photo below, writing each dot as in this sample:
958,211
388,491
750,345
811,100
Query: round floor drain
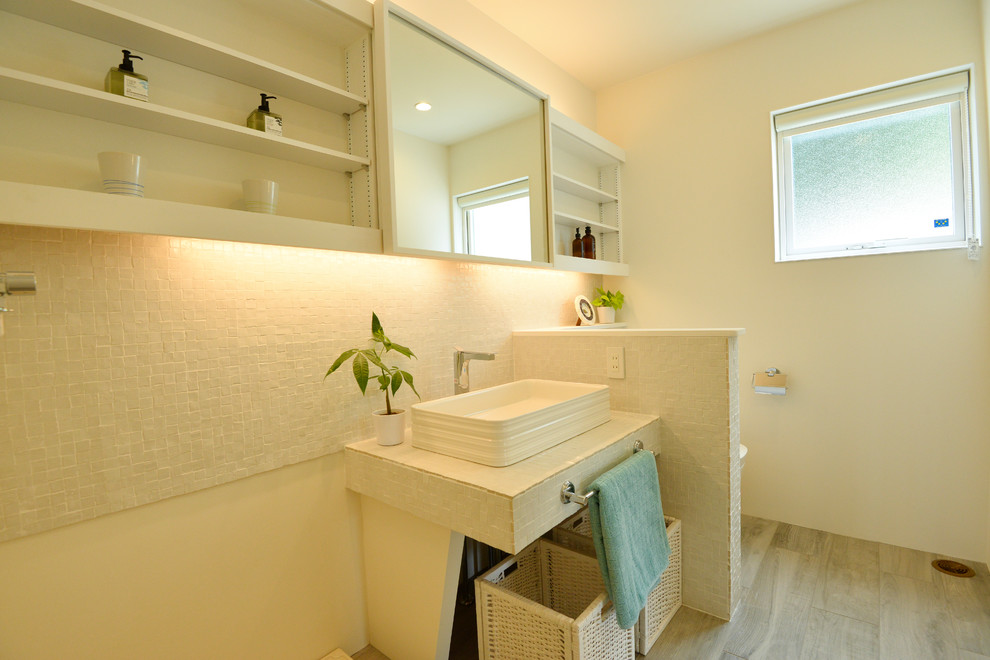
950,567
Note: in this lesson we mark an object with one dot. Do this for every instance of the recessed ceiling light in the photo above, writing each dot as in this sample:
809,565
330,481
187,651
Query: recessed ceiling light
423,106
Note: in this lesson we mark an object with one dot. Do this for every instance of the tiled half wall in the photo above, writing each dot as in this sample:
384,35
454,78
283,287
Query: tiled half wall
147,366
692,384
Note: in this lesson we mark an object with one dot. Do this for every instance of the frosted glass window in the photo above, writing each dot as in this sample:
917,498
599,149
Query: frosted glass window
501,229
878,172
496,221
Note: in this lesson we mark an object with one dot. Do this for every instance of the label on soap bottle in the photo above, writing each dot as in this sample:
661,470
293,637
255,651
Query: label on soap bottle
135,88
273,125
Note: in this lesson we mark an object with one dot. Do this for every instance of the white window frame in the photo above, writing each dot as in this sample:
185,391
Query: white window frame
951,87
467,202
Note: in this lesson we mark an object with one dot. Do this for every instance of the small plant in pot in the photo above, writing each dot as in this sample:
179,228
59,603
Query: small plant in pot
389,424
606,303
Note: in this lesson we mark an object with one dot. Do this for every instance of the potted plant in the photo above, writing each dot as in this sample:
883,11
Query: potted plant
389,424
606,303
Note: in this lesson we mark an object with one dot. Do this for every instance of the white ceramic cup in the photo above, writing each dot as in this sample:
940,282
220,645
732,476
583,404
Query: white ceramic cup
260,195
121,173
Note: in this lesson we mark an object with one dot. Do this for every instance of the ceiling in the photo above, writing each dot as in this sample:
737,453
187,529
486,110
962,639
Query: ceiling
467,99
602,43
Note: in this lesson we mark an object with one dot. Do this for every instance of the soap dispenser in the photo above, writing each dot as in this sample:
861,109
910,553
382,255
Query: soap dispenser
588,243
577,247
124,81
263,119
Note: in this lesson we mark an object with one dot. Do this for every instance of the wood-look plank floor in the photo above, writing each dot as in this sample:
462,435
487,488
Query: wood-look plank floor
811,595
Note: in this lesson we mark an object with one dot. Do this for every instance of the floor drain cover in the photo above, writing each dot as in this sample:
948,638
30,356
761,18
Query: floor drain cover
950,567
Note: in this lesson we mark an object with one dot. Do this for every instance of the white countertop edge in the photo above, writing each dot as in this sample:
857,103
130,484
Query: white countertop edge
634,332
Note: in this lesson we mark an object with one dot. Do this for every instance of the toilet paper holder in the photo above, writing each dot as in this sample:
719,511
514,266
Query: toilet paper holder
771,381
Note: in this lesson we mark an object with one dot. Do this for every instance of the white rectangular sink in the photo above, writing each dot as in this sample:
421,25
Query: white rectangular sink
503,425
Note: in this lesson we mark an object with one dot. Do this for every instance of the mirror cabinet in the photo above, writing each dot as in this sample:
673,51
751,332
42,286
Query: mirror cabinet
462,154
362,164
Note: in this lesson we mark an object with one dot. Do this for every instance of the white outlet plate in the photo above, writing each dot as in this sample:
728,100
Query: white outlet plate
615,362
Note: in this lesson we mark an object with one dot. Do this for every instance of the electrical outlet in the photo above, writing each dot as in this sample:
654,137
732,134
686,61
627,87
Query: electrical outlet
615,361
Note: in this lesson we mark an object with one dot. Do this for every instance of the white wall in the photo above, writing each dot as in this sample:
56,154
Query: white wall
985,14
502,155
883,434
265,567
422,193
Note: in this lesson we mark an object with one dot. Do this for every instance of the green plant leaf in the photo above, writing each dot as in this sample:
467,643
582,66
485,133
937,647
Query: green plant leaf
396,382
340,360
406,376
398,348
383,382
376,325
361,371
373,358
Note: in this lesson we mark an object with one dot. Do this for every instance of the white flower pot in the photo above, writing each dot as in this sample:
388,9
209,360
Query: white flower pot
390,429
606,314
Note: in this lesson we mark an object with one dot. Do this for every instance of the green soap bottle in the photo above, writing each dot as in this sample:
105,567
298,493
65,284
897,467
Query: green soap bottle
124,81
263,119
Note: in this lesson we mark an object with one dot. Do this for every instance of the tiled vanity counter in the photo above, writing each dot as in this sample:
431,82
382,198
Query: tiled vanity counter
417,506
505,507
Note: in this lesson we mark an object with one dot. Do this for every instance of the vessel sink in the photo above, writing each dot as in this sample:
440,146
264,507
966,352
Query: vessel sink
502,425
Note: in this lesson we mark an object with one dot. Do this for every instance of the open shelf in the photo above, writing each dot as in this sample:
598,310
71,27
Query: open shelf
574,187
118,27
575,222
30,89
594,266
46,206
587,145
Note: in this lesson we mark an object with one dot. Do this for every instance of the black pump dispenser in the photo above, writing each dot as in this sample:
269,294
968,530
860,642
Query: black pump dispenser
123,80
264,103
127,64
263,119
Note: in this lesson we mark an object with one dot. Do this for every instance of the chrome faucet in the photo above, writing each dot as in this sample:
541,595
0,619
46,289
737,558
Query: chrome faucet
461,359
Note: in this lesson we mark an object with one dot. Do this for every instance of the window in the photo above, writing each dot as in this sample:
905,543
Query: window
496,221
886,170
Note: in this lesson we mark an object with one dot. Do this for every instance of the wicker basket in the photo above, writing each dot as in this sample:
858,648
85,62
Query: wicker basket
663,602
548,602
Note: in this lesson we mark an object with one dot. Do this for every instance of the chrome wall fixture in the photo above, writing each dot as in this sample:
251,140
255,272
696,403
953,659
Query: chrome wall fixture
16,283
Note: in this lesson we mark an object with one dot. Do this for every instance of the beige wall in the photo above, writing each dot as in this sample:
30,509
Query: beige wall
266,567
260,566
883,434
422,191
147,368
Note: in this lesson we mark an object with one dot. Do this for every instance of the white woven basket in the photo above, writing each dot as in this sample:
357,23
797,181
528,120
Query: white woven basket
663,602
548,602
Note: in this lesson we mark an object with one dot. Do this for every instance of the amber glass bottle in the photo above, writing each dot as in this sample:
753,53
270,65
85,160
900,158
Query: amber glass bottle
588,244
577,246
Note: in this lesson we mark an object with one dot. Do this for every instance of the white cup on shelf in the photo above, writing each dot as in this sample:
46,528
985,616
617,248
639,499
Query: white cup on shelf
121,173
260,195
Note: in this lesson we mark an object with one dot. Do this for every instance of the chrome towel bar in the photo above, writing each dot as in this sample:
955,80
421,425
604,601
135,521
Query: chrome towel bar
568,495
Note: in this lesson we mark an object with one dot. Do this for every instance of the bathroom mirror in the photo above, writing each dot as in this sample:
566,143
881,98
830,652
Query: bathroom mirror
466,172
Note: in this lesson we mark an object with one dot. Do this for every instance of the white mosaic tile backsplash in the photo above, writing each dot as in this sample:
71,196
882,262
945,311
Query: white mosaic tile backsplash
148,366
692,383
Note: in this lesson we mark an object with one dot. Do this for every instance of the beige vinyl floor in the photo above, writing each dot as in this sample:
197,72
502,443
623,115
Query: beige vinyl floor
811,595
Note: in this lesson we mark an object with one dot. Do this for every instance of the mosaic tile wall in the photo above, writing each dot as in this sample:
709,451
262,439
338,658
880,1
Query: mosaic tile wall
692,383
147,366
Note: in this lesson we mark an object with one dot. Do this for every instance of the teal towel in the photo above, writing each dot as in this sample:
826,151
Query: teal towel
629,533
